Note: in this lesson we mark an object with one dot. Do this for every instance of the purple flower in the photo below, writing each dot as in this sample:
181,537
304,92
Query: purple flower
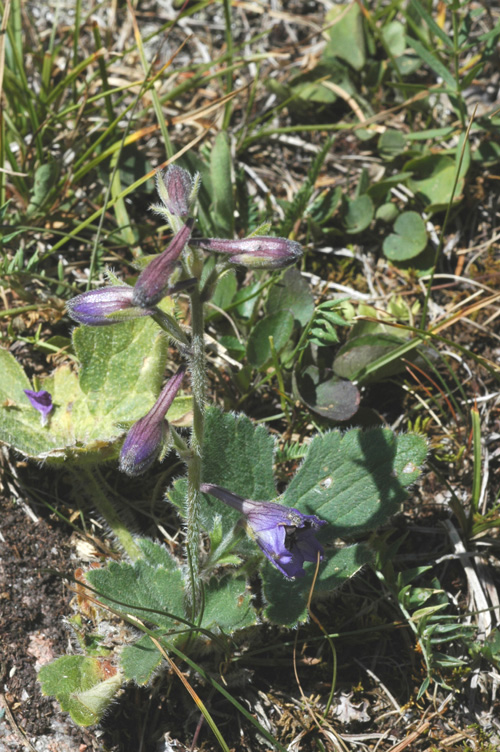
152,283
103,307
144,442
41,401
175,187
285,535
258,252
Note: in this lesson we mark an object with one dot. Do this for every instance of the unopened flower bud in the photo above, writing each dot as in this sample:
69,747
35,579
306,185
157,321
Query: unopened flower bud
41,401
102,307
175,186
152,283
144,442
258,252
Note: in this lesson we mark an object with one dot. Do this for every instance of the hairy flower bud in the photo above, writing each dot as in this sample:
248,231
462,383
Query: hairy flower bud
258,252
97,307
41,401
152,283
143,443
284,535
178,186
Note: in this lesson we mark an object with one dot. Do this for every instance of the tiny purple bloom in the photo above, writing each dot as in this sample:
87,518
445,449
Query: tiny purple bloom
258,252
41,401
152,283
179,185
144,442
96,307
284,535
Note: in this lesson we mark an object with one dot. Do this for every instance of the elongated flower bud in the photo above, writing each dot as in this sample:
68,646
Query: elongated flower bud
97,307
175,186
258,252
144,441
152,283
284,535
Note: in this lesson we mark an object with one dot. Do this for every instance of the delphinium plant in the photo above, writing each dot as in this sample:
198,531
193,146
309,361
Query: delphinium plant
236,528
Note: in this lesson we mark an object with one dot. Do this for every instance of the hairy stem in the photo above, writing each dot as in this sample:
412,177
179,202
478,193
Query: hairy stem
197,363
109,513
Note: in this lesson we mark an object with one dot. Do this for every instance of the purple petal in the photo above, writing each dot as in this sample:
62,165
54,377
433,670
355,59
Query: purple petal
152,283
41,401
144,442
258,252
284,535
178,184
96,307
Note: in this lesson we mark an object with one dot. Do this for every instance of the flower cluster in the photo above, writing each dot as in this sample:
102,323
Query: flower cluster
285,536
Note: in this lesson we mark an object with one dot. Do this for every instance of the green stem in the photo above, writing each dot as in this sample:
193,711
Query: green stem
229,77
193,500
107,510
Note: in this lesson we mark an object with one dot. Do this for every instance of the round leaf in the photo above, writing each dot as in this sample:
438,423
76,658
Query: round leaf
433,180
408,239
359,214
328,396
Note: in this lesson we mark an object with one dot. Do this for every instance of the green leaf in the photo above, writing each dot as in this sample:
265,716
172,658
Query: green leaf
225,291
119,380
391,143
227,607
359,214
292,292
417,6
347,39
237,455
433,62
408,239
46,177
152,590
278,325
80,685
393,35
326,394
433,181
359,352
222,188
286,601
325,204
356,480
387,212
140,660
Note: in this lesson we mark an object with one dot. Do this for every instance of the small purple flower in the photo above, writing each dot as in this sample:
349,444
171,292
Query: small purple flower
144,442
152,283
41,401
175,187
284,535
102,307
258,252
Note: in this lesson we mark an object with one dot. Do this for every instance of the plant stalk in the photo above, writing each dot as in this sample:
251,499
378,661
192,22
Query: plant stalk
193,500
107,510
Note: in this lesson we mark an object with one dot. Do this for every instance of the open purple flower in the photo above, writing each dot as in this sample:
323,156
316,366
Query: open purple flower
284,535
105,306
257,252
145,440
41,401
